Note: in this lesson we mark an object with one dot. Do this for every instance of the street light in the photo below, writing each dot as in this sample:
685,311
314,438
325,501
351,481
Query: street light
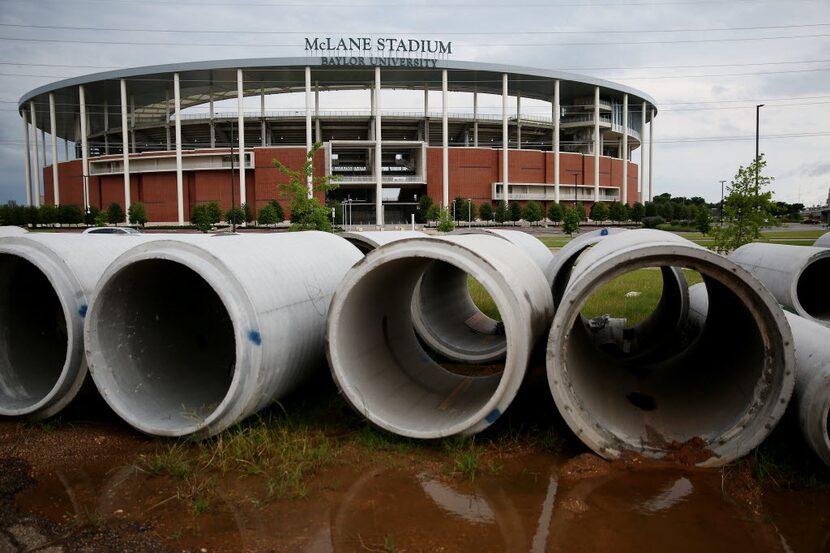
469,212
721,200
757,142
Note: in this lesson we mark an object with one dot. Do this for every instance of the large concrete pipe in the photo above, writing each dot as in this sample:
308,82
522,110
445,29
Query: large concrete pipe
532,246
798,276
382,368
812,367
46,281
823,241
565,258
12,231
721,392
186,338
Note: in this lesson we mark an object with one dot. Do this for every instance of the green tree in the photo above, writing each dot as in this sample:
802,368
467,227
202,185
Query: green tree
533,212
515,211
599,212
280,213
702,222
200,217
746,209
234,216
651,209
32,215
214,212
638,211
138,214
267,215
115,213
556,212
306,213
580,211
502,213
48,214
91,215
248,212
570,221
433,212
485,211
100,218
70,214
616,212
421,212
665,210
445,222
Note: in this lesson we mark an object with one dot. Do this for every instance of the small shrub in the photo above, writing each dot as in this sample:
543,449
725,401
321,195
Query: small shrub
653,222
115,213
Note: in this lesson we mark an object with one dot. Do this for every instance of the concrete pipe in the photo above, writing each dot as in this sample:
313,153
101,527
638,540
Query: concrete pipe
367,241
721,392
532,246
12,231
46,281
385,372
565,258
798,276
812,378
823,241
185,338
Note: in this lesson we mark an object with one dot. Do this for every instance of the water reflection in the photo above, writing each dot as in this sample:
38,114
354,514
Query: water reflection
528,507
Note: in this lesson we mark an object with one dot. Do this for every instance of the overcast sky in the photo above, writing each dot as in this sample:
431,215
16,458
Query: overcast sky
707,63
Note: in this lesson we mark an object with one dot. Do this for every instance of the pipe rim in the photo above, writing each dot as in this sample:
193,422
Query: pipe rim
488,275
236,302
821,256
732,443
72,301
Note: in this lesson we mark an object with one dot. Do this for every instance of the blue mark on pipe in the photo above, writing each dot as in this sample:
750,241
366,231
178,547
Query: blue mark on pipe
255,337
603,232
82,310
493,416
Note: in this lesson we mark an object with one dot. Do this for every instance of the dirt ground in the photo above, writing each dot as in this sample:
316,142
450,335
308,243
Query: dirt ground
88,482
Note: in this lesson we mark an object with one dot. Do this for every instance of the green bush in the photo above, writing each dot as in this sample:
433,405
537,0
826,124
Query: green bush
32,215
638,211
70,214
91,216
533,212
234,216
653,222
502,213
137,214
200,217
599,212
485,211
570,221
214,212
580,211
278,210
617,212
556,212
115,213
433,212
100,218
267,215
48,214
423,210
445,222
515,211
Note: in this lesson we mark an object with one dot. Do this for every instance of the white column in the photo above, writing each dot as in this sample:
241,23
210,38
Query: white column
240,108
43,149
505,138
308,142
84,147
106,128
379,215
519,121
651,156
167,118
212,124
475,119
132,124
318,134
53,129
625,151
27,157
37,168
557,110
426,114
66,149
125,146
642,186
177,106
262,116
445,154
596,144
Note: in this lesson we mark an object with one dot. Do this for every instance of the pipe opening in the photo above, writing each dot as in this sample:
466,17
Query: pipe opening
812,289
388,373
699,387
33,340
449,321
167,343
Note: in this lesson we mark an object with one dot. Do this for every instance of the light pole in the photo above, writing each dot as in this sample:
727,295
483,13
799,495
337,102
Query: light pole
757,143
721,200
233,195
469,212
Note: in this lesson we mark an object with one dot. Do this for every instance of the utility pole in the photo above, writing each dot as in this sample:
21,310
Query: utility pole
721,200
757,143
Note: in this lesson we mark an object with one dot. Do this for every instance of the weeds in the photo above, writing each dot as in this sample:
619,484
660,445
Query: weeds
171,461
196,493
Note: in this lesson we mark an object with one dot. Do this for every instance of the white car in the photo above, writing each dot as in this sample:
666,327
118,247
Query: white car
111,230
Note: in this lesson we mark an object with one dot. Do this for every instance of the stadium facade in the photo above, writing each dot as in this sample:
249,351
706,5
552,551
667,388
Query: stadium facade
131,141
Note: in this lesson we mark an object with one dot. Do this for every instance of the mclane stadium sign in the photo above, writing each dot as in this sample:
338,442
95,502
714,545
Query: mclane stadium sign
400,52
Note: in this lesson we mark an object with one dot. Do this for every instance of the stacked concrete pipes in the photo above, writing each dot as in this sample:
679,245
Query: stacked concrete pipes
799,278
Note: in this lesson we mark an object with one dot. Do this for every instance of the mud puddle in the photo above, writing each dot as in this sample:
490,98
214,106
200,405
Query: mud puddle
528,504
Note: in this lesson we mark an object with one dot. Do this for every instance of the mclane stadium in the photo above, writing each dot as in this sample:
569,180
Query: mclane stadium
153,135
